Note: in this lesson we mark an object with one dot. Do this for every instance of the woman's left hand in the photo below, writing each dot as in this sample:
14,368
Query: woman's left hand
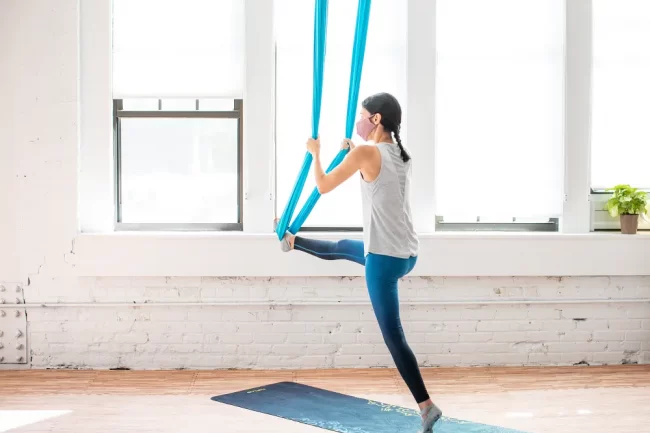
313,146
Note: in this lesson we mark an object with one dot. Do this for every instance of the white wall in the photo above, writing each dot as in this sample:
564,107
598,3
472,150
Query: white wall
327,322
450,321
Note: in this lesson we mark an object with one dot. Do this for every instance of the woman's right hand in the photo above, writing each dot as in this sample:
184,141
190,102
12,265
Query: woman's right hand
347,144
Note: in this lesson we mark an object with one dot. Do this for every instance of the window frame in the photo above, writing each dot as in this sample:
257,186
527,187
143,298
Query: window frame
552,226
119,113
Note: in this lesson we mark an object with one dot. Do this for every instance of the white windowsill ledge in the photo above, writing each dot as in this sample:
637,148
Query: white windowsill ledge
441,254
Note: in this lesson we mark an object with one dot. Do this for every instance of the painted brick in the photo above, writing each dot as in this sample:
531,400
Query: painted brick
464,326
636,311
576,358
558,325
637,335
494,326
608,357
239,338
477,348
591,324
427,349
279,315
325,327
528,347
358,349
625,346
545,358
482,313
162,338
220,348
510,337
305,338
511,313
543,336
609,335
416,338
192,338
288,328
576,336
571,347
477,337
543,313
435,326
369,338
442,337
350,361
340,338
268,338
130,338
169,315
427,314
480,359
443,360
646,325
254,349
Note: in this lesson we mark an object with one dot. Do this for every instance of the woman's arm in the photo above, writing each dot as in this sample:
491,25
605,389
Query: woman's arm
352,163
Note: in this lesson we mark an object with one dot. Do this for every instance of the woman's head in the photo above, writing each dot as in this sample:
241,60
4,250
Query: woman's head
381,115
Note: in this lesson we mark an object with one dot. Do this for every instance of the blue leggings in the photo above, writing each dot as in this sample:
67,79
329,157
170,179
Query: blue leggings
382,275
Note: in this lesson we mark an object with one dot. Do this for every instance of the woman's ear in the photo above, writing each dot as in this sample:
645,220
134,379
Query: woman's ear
376,119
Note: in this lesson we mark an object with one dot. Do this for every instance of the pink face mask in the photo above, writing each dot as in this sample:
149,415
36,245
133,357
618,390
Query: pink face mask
364,128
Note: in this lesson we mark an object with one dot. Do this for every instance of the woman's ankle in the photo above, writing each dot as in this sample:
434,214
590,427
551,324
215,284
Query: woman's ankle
425,405
292,239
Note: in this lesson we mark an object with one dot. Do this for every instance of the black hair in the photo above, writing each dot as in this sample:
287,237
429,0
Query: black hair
391,116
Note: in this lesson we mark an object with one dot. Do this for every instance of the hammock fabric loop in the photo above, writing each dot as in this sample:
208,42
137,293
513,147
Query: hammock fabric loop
358,51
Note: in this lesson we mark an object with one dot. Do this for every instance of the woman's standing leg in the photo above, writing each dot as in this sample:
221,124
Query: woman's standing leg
382,276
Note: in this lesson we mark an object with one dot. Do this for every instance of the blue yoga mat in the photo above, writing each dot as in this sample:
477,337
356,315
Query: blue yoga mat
341,413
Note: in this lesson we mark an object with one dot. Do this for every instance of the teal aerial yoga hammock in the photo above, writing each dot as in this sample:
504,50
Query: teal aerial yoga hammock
320,32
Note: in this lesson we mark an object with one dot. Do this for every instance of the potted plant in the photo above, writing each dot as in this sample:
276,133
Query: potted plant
627,203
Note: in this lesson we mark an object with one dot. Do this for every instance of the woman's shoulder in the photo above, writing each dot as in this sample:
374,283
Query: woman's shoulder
367,150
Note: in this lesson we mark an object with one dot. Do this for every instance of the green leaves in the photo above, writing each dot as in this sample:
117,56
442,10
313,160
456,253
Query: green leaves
627,201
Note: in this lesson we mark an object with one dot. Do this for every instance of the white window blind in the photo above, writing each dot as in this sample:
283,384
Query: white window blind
500,108
384,70
621,94
173,48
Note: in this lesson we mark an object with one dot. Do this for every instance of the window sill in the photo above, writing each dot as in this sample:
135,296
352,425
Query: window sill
441,254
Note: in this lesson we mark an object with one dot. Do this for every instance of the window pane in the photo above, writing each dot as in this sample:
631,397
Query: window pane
621,91
187,48
500,107
140,104
384,70
179,170
178,104
216,105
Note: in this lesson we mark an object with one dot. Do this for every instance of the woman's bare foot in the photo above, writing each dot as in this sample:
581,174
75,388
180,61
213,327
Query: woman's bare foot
430,415
291,239
288,240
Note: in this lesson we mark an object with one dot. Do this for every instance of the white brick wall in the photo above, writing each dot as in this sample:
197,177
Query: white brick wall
251,322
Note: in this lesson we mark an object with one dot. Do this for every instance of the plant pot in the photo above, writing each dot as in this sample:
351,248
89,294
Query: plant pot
629,224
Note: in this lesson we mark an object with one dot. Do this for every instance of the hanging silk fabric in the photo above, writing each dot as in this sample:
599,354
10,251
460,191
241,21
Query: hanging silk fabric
358,51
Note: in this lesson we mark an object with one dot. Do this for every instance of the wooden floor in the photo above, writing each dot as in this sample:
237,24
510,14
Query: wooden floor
535,400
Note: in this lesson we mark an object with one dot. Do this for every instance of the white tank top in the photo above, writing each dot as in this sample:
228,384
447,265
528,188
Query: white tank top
387,220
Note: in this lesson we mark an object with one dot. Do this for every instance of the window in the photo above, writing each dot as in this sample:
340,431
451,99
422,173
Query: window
621,91
384,70
178,162
500,111
177,90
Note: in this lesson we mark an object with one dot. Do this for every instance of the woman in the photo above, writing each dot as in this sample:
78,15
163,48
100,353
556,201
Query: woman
390,245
